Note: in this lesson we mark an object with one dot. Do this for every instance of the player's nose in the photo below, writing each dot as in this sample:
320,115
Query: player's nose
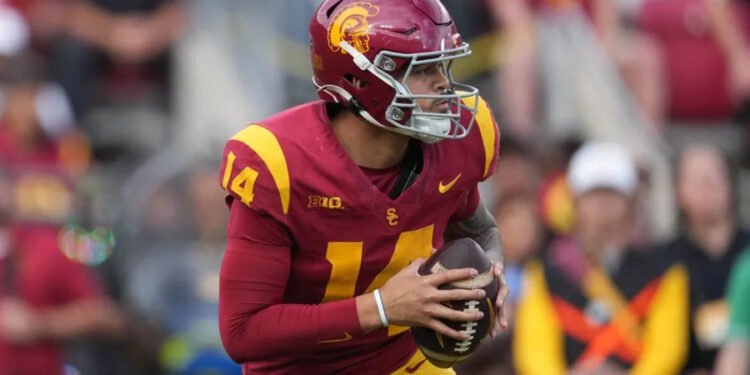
442,84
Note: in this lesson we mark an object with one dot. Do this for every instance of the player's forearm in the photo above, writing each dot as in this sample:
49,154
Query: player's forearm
81,318
254,322
606,20
88,22
367,313
516,20
481,227
725,29
168,22
287,329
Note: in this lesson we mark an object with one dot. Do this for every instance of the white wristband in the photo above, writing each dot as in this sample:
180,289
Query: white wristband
381,308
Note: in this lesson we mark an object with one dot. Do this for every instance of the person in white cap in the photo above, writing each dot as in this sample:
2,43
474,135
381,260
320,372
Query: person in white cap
596,304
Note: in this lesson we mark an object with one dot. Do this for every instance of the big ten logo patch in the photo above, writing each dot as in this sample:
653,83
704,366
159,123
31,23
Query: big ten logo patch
331,203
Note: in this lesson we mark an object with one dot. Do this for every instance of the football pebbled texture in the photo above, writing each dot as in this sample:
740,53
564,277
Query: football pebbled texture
443,351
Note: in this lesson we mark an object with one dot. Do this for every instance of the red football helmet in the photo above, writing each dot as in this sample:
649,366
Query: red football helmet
379,42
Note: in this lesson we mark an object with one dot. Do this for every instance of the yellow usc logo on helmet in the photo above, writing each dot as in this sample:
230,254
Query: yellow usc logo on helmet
350,24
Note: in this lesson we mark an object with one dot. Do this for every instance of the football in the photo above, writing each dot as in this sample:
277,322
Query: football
443,351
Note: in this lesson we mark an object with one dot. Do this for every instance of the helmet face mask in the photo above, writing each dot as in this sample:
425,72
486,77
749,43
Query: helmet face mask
384,97
430,126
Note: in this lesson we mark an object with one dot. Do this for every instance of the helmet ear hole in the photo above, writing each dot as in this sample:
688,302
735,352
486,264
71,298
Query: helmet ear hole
356,81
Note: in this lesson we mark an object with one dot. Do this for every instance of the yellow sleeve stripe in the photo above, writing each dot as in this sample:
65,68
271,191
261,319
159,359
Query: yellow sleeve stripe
487,130
265,144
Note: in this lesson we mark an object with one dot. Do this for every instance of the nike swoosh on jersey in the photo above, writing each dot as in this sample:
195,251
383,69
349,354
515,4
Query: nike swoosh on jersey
346,337
444,188
413,369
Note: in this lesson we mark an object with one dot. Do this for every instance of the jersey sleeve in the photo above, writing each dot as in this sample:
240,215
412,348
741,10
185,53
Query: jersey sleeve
467,205
484,138
739,299
254,321
254,171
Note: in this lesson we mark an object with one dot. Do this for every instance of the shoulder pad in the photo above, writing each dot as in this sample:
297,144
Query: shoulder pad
254,163
489,134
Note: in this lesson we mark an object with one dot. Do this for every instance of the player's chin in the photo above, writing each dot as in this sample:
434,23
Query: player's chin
440,107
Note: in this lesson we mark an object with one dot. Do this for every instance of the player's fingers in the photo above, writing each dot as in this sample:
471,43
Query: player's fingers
433,250
501,321
495,329
441,278
502,294
498,267
415,264
443,312
459,294
444,330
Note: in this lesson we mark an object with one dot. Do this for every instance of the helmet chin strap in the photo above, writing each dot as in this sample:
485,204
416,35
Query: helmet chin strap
360,111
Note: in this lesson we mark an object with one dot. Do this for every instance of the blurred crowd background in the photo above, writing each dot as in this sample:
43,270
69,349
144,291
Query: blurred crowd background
113,115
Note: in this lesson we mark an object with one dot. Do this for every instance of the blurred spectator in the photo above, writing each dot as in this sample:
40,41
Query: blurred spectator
706,50
522,235
176,280
554,196
40,150
735,355
517,172
597,305
517,79
103,48
636,56
731,38
14,34
45,297
710,242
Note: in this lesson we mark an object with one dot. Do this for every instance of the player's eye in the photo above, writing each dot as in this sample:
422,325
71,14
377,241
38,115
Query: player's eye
426,69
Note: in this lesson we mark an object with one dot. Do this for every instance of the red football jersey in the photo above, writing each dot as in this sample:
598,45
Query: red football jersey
347,236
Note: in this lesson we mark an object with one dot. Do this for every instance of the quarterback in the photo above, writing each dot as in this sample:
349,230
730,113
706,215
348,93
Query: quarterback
334,204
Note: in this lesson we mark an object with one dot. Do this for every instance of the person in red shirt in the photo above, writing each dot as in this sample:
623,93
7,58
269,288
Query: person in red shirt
334,204
45,298
525,45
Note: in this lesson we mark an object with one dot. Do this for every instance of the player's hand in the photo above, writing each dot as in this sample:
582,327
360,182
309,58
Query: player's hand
739,72
132,39
411,299
502,294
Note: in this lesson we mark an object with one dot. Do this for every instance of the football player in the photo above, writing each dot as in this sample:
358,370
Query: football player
335,204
